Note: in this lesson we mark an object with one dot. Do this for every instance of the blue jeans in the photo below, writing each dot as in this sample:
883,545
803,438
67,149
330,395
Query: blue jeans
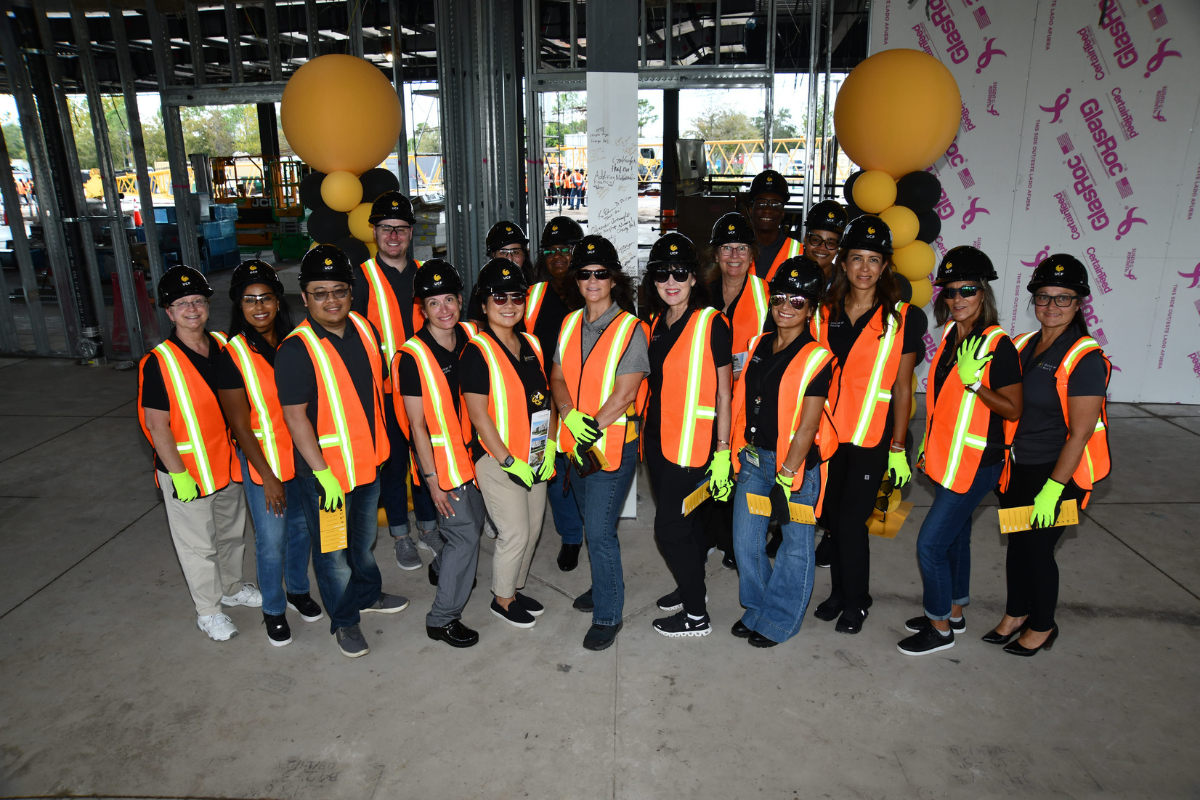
944,544
776,597
600,497
563,506
349,579
393,482
281,545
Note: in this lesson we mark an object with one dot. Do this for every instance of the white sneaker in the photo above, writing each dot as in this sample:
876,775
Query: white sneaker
219,627
248,595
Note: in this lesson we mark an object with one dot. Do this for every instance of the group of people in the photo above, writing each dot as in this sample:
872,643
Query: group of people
565,186
766,385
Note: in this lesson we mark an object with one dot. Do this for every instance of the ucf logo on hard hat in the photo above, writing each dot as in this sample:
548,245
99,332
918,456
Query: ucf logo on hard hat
830,215
185,278
437,277
795,273
395,204
1058,268
329,262
509,230
504,272
553,227
870,230
730,227
674,247
591,247
949,266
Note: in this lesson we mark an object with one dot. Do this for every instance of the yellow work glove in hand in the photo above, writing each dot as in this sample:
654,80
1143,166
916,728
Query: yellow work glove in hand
720,484
969,366
331,497
898,468
582,427
186,489
1045,505
520,473
546,471
781,496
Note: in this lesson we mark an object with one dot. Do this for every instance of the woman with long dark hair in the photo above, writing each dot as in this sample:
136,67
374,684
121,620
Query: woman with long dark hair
974,389
1059,447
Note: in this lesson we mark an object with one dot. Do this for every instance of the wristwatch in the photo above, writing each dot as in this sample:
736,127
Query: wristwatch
974,387
508,462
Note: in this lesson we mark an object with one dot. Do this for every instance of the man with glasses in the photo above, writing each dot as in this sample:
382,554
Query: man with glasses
193,457
330,375
769,193
383,293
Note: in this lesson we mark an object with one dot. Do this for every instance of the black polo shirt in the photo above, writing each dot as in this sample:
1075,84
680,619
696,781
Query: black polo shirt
768,253
154,390
410,376
1005,371
475,379
662,339
402,286
296,377
228,374
763,375
1042,430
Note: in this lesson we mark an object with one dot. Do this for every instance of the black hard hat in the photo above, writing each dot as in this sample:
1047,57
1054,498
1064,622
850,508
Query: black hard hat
672,250
964,263
436,276
251,272
503,234
799,275
391,205
868,232
595,249
828,215
1059,269
561,230
326,262
769,181
500,275
730,228
180,282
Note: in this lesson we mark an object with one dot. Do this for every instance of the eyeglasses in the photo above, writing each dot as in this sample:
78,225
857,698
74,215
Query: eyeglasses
772,204
798,301
255,299
663,275
321,295
1060,300
587,274
965,291
817,242
393,230
184,304
516,298
516,251
733,249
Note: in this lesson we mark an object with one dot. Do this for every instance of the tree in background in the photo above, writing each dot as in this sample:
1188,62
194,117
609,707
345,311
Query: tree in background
646,114
782,125
14,138
567,115
720,122
426,139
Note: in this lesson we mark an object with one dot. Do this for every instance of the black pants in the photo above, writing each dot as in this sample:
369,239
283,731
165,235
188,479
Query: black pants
854,477
1030,568
718,524
680,538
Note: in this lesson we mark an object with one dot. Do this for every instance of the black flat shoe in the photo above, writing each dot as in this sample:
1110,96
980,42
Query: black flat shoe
851,620
568,557
601,637
829,610
584,602
740,630
758,640
453,633
1017,649
991,637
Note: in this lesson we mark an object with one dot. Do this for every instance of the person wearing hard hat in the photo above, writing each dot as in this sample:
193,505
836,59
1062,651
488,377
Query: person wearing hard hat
506,240
769,194
823,228
383,293
426,382
259,322
330,376
193,458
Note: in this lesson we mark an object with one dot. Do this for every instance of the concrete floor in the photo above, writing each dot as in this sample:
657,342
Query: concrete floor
109,690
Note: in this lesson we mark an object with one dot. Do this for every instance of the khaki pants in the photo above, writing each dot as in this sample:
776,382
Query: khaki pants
518,517
209,537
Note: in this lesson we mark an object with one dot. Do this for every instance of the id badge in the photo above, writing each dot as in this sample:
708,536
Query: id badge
750,454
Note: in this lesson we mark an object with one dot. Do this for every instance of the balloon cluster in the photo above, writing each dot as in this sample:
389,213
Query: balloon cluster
897,112
343,117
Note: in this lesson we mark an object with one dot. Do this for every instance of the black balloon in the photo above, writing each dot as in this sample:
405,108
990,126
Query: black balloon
848,190
328,226
355,249
919,191
310,191
377,181
930,226
905,288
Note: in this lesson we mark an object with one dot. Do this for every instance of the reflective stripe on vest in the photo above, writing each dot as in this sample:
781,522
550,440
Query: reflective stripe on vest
533,304
875,392
183,397
697,365
748,318
340,439
384,300
1091,450
265,433
432,399
499,395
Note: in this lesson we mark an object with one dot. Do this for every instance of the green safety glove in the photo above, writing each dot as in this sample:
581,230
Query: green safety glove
582,427
1045,505
546,471
720,484
898,468
969,366
186,489
519,472
781,496
331,496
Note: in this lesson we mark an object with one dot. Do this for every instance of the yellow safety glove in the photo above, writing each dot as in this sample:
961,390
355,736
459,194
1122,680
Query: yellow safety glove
546,471
969,366
720,484
519,472
1045,505
186,489
331,497
781,496
898,468
582,427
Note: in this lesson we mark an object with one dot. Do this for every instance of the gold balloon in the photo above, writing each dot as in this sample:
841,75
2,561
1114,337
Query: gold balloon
915,262
903,224
897,111
922,292
341,191
359,227
341,113
874,191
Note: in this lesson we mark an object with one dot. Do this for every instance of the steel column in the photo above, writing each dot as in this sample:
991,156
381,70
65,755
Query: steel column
535,147
273,56
233,34
355,31
810,127
827,173
398,82
465,210
717,36
192,17
572,24
769,110
20,246
311,29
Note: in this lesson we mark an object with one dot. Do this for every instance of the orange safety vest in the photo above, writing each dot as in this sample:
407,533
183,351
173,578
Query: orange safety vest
590,383
506,396
383,309
197,422
533,303
956,422
791,247
688,405
343,431
448,432
398,400
750,314
867,377
805,366
1096,462
266,414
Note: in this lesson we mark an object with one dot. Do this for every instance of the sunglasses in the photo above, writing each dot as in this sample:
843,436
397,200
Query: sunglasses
588,274
565,250
798,301
664,275
965,291
516,298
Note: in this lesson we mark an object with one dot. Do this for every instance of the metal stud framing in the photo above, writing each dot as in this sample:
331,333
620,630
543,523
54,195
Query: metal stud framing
233,29
29,286
398,82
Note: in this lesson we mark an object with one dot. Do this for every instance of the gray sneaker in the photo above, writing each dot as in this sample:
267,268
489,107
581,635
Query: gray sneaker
406,554
431,542
352,642
388,604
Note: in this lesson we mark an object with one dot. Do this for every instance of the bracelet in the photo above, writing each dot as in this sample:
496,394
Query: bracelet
564,405
722,441
897,448
429,474
784,467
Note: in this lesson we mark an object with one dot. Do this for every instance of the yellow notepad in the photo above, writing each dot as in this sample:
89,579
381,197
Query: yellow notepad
693,500
599,454
1017,519
333,529
761,506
